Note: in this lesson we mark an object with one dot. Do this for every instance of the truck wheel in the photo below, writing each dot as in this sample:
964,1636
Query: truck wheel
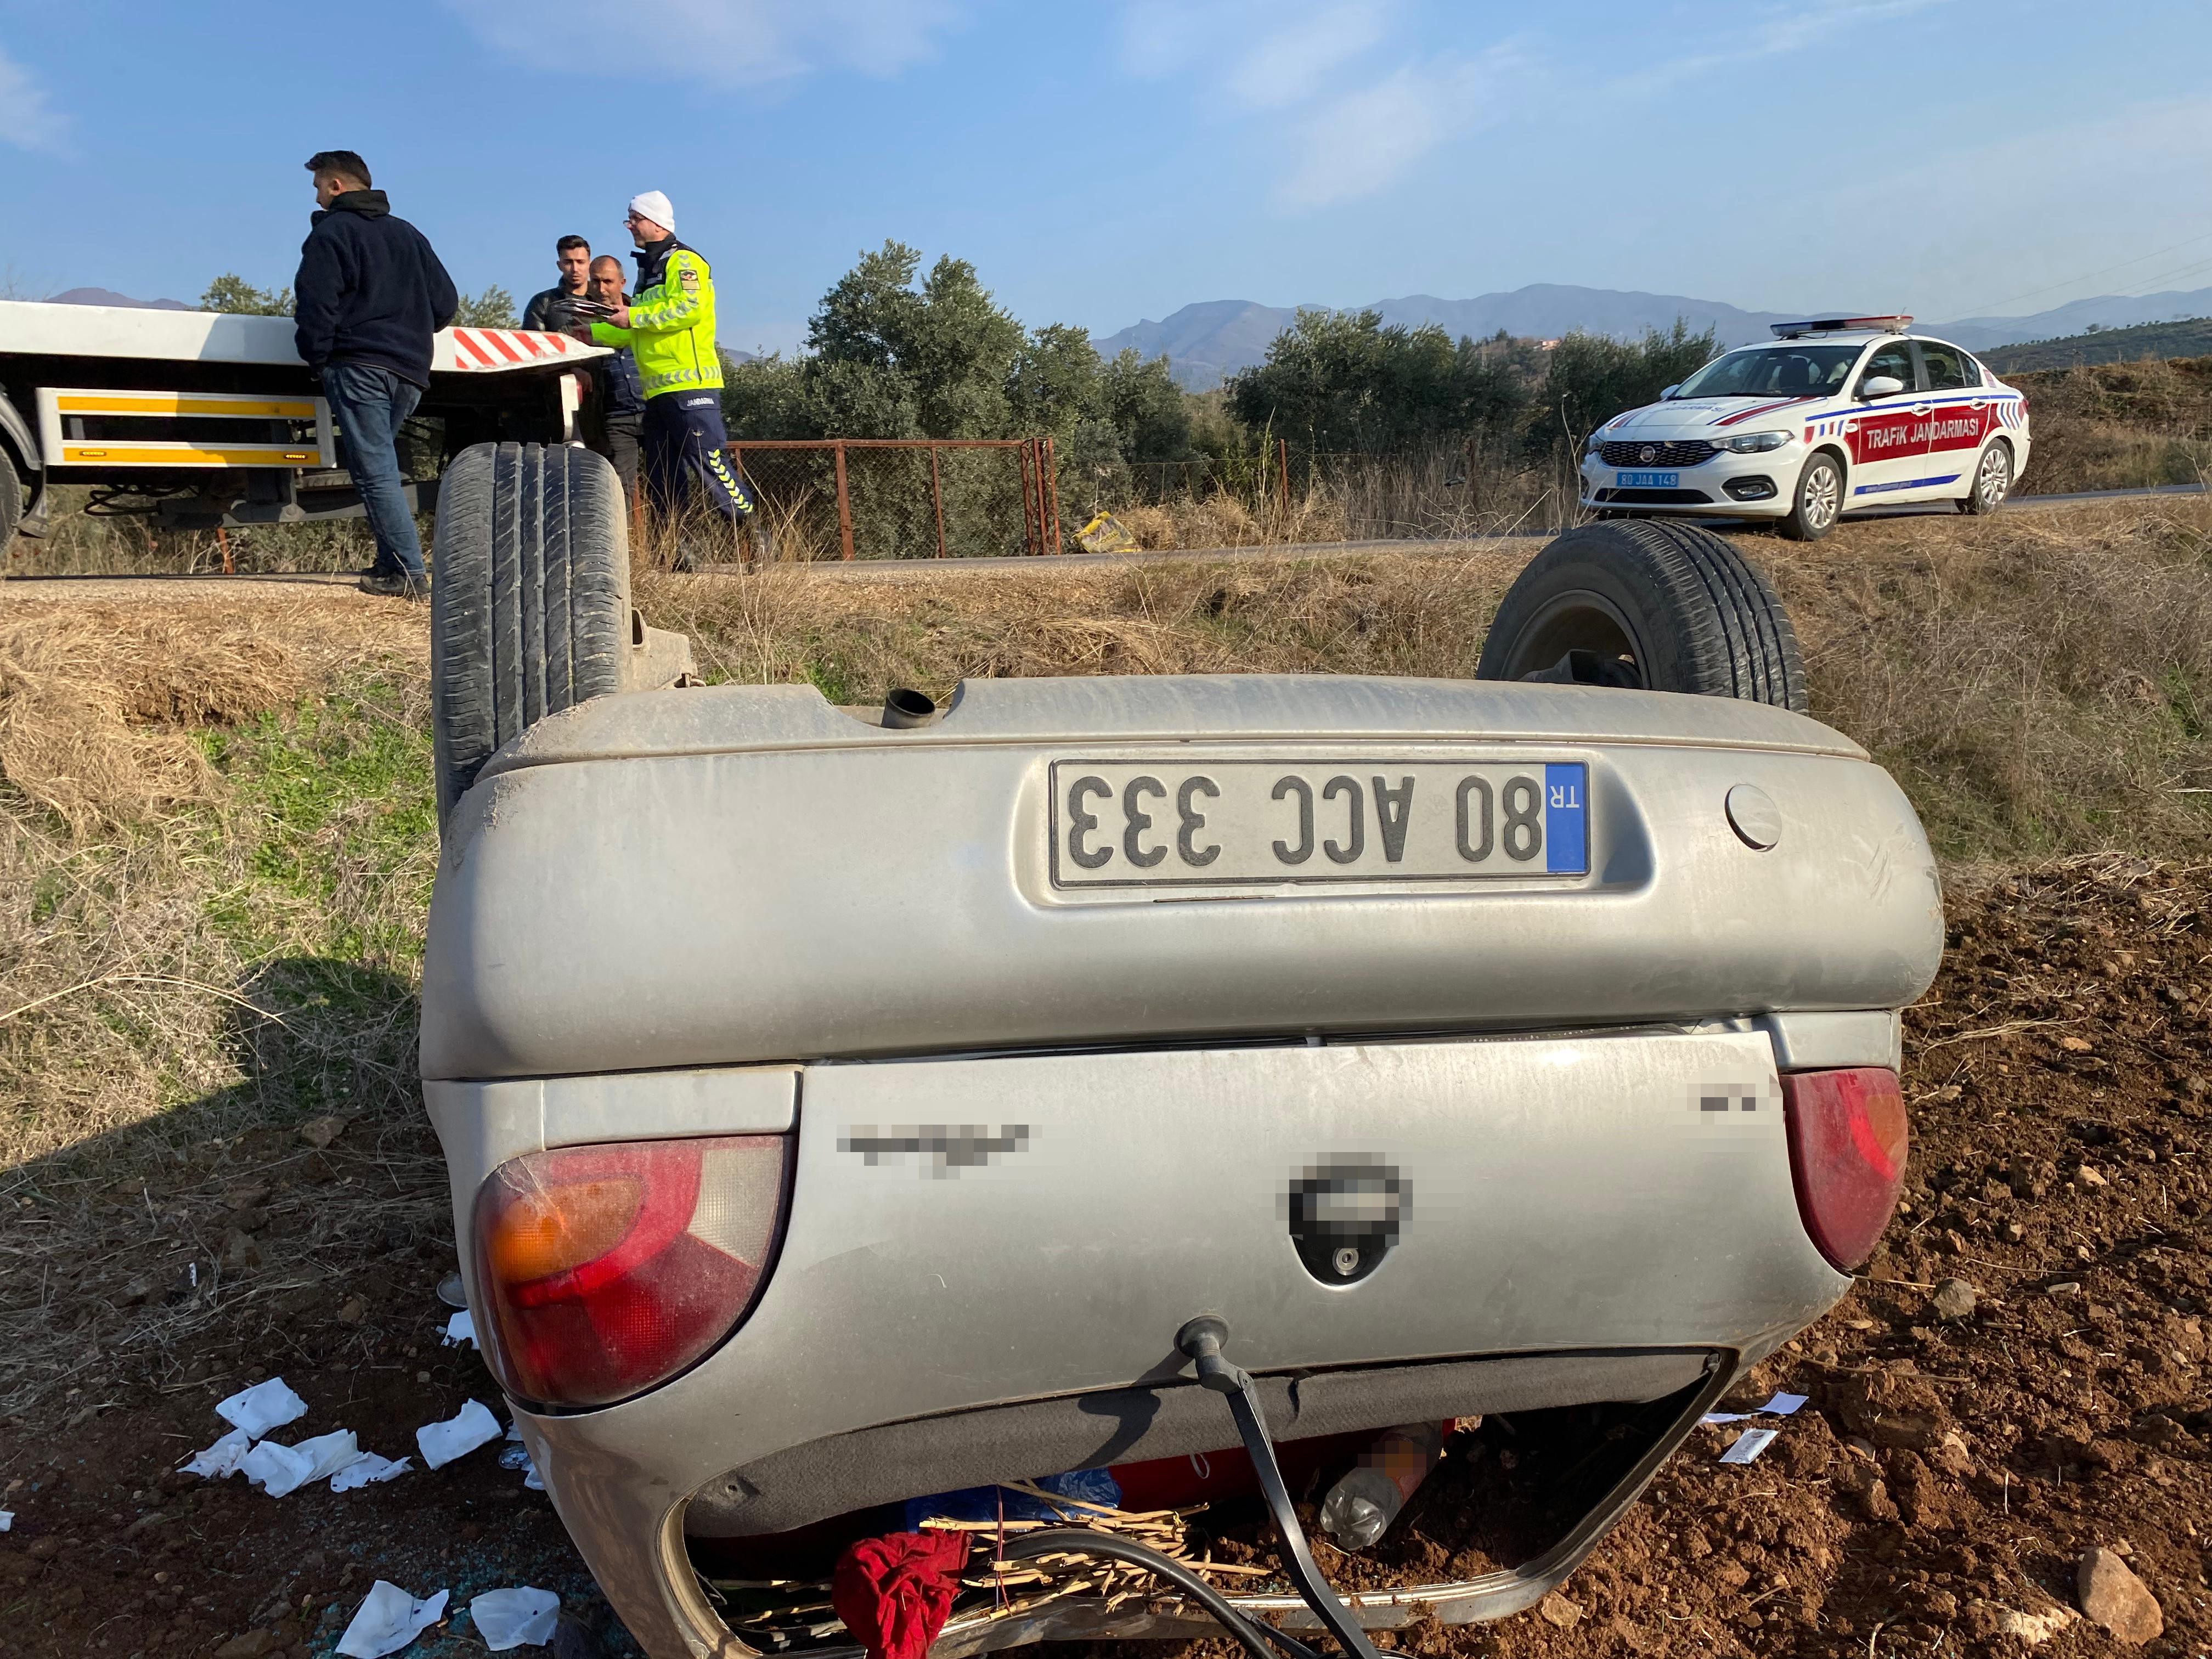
1992,481
1818,502
11,506
1647,604
529,599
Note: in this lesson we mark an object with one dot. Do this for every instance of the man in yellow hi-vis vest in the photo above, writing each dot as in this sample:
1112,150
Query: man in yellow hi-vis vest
669,326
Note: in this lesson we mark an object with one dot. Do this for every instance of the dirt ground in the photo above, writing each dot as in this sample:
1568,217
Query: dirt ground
1946,1476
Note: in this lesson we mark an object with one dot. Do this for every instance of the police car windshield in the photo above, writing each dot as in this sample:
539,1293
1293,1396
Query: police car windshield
1783,371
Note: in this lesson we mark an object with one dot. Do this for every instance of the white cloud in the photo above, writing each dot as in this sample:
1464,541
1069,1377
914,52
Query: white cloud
28,119
1772,31
1266,53
1282,57
740,42
1365,141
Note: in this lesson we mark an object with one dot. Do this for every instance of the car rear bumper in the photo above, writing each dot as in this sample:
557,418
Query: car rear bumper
1581,1226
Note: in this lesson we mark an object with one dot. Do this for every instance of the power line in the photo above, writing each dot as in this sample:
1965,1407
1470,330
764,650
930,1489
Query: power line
1984,310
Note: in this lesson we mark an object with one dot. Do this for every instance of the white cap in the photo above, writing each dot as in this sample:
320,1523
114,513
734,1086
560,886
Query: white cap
654,205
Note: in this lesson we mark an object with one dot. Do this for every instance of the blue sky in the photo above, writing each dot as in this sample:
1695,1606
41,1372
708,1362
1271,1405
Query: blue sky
1103,161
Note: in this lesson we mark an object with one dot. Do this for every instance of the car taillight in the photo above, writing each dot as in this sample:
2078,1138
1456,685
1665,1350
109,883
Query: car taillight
1847,1143
607,1269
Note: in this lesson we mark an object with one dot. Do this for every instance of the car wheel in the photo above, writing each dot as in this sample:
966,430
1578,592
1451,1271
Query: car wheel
1819,501
529,599
1648,604
1992,481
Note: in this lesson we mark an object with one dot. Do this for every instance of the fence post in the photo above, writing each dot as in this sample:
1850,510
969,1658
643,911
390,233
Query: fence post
1030,536
844,506
1282,471
1051,487
937,495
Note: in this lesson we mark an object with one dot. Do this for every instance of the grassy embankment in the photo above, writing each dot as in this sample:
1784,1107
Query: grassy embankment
216,843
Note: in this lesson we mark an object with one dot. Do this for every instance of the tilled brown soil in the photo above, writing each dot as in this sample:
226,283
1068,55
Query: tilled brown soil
1943,1482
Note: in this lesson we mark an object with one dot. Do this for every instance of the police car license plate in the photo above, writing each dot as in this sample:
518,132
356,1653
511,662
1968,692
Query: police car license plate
1273,823
1646,480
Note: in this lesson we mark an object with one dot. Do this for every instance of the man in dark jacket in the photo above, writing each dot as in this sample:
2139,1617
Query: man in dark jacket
370,296
620,399
549,312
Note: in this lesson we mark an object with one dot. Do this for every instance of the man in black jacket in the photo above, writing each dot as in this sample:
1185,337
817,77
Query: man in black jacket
549,312
621,400
370,296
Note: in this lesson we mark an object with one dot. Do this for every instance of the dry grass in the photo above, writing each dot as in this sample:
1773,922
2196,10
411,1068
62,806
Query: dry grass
79,545
96,706
209,924
2119,426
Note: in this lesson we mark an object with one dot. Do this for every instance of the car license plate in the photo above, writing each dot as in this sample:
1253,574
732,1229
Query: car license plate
1258,822
1647,480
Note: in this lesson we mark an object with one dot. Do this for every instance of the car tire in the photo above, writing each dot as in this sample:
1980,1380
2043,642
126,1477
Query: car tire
529,600
1818,501
1991,482
1647,604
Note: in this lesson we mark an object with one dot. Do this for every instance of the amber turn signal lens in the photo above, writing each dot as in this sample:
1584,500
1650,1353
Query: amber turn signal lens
538,1234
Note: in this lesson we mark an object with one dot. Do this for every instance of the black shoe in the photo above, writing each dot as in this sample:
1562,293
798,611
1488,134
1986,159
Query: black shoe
397,585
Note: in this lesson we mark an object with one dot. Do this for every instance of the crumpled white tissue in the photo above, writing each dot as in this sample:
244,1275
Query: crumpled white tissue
278,1470
472,1426
367,1469
387,1620
515,1618
264,1406
223,1457
461,1327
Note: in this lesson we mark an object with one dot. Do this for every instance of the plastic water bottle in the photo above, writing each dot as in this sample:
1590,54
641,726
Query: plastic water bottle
1360,1507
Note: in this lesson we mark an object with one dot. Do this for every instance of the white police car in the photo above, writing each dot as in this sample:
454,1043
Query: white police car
1837,413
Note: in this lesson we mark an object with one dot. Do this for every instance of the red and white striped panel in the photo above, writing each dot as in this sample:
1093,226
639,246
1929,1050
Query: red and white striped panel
489,350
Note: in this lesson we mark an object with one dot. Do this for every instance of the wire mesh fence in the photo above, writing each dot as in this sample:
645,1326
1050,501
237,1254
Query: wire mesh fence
893,498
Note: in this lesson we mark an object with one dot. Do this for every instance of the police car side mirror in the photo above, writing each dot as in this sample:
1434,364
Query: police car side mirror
1668,392
1880,386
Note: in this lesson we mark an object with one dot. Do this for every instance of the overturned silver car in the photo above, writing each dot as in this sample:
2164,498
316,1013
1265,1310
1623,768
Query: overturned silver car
1144,1075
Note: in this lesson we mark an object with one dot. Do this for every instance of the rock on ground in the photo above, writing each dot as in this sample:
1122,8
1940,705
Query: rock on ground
2114,1597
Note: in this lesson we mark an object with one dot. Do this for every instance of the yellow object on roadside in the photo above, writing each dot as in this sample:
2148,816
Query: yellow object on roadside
1105,534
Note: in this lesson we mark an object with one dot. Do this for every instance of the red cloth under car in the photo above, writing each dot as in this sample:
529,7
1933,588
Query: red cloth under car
896,1592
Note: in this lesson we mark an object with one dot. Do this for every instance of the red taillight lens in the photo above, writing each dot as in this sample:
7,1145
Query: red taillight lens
608,1269
1847,1145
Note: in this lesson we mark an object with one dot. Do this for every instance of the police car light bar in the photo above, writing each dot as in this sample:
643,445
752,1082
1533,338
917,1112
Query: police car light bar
1836,325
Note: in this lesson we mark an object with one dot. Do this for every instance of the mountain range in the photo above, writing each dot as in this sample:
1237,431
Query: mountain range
1206,342
108,296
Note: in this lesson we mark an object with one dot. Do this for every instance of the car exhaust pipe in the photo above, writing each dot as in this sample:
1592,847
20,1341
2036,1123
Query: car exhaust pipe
904,709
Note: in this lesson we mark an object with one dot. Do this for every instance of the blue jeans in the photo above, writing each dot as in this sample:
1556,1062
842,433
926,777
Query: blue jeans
368,403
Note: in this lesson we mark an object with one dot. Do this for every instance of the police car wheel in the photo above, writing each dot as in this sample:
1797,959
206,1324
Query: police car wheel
1647,604
1819,501
529,598
1992,480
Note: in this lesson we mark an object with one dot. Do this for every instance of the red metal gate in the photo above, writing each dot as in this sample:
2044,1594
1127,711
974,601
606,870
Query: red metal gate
1039,486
